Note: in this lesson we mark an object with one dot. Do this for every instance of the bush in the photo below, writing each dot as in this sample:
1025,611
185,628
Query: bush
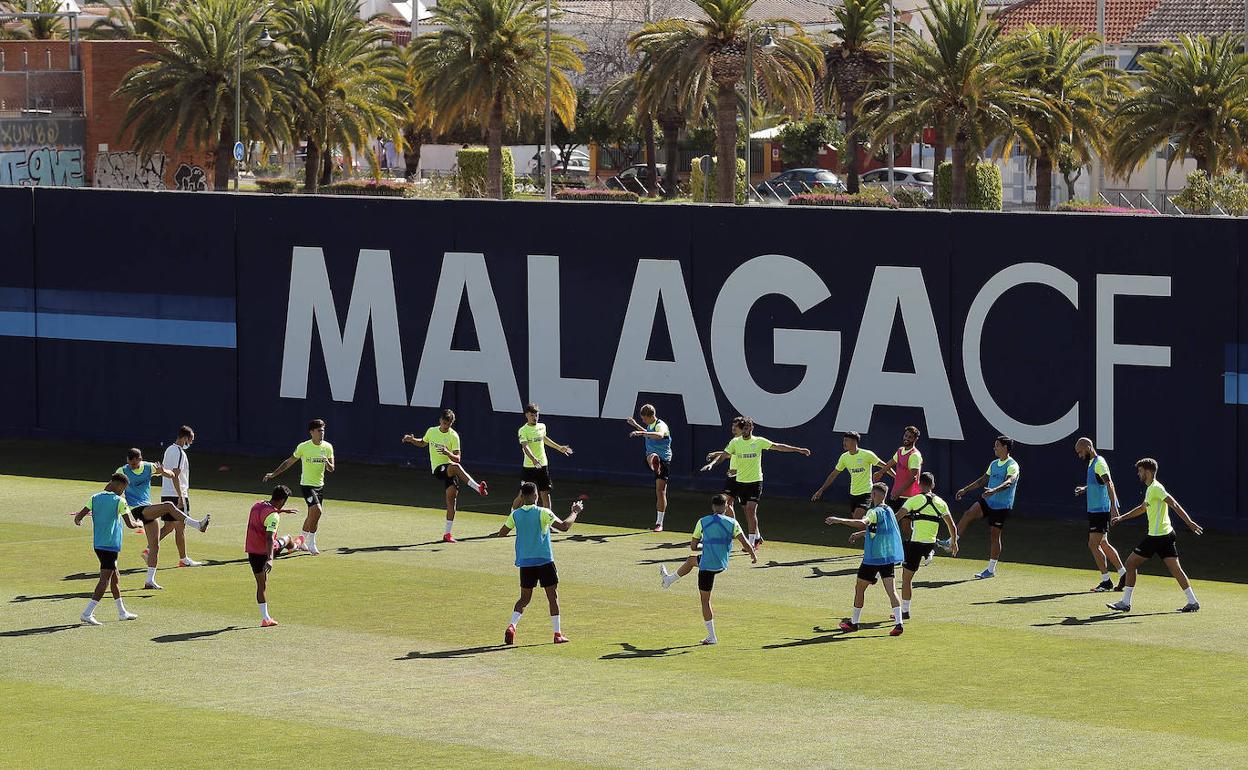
1099,207
983,186
276,185
800,141
912,198
596,195
262,170
369,187
697,186
1228,191
473,162
868,197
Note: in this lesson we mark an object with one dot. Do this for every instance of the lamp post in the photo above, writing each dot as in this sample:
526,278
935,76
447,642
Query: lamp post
548,161
769,44
892,57
265,41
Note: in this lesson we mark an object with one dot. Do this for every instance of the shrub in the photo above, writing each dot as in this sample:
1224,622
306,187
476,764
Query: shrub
697,186
596,195
912,198
1099,207
800,141
369,187
983,186
276,185
262,170
1228,191
473,162
868,197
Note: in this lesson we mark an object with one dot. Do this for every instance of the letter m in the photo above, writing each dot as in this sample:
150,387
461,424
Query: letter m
312,301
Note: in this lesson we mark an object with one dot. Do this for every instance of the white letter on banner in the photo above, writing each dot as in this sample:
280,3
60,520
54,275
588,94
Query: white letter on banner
817,350
439,364
633,373
867,384
1110,354
372,300
999,284
547,386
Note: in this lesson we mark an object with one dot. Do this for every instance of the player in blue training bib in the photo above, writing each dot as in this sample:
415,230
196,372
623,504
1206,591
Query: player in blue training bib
714,534
1000,484
881,551
109,512
658,440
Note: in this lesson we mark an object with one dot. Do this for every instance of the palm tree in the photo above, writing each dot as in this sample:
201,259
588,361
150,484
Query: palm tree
417,117
1079,87
186,90
1194,94
46,27
487,62
15,32
708,55
133,20
346,80
965,81
854,56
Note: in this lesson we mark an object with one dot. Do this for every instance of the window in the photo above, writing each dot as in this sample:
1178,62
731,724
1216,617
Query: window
924,176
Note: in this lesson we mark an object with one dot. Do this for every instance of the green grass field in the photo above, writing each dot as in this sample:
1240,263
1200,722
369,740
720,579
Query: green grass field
389,652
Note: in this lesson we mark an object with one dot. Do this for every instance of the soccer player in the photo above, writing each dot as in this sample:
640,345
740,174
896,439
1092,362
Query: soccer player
881,550
108,511
925,512
859,463
1102,506
658,455
713,534
904,466
316,456
533,442
536,561
748,450
139,475
1001,479
263,544
1160,540
170,492
445,460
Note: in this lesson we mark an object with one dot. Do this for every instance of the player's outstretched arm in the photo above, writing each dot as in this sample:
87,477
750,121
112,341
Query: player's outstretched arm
562,449
565,525
79,516
1131,514
161,470
745,544
803,451
409,438
854,523
1192,525
976,484
826,483
713,459
289,461
888,468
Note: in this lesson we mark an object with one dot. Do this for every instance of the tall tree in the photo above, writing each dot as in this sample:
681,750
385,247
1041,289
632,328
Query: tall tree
186,90
133,20
487,62
1193,94
854,55
708,55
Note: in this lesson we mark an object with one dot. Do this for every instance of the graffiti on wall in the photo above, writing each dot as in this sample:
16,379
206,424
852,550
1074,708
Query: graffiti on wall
42,152
189,177
130,171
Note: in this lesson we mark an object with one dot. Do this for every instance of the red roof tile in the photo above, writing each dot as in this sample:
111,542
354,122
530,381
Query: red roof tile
1121,16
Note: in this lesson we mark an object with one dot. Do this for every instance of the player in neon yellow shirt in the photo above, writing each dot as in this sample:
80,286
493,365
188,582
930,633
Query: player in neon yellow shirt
316,456
1160,540
533,443
747,449
861,464
445,462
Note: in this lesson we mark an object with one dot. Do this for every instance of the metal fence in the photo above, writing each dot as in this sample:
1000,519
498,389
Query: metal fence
53,92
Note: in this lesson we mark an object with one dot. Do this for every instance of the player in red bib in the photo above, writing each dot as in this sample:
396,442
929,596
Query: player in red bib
263,544
905,467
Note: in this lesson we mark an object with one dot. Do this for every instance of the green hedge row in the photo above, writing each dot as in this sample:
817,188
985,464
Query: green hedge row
983,186
596,195
867,197
697,186
473,162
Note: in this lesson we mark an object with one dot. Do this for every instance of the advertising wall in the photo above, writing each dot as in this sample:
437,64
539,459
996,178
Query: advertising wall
262,312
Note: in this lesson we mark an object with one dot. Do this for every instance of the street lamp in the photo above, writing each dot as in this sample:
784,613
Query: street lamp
892,57
547,160
265,41
769,45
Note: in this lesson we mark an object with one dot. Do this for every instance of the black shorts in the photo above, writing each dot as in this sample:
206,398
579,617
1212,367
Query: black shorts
174,500
259,562
996,516
915,553
750,492
546,574
108,559
1165,546
732,488
313,495
1098,522
665,470
706,578
859,501
440,474
868,572
538,476
137,513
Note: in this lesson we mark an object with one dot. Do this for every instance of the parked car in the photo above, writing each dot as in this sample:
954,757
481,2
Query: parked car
636,178
576,165
903,176
796,181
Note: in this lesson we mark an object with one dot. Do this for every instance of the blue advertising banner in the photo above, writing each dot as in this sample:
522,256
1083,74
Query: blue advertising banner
18,389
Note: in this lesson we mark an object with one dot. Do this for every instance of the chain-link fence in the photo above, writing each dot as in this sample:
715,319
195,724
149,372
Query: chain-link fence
55,92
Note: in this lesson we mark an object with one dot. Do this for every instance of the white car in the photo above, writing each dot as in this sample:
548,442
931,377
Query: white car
903,176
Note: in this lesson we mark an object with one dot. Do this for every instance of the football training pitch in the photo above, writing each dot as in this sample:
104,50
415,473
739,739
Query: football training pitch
390,653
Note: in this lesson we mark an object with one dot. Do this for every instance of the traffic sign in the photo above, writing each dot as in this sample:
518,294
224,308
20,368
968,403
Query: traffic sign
238,151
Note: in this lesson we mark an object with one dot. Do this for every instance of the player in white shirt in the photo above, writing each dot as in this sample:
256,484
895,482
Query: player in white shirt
177,461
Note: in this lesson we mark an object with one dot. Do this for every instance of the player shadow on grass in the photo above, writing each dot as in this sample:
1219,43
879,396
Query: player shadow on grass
829,635
807,562
466,652
1071,620
816,572
633,652
941,583
347,550
668,546
190,636
172,566
1033,598
39,631
600,539
51,597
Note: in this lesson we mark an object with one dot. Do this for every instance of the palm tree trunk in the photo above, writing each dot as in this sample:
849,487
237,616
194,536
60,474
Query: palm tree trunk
327,167
494,156
938,154
652,162
412,141
671,156
960,157
311,165
725,143
1044,183
223,162
851,150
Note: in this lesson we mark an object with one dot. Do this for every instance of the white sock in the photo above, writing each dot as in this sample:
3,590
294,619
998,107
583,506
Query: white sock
897,615
992,565
193,522
1122,571
905,605
264,611
1191,595
1126,594
473,485
121,607
312,539
753,538
515,618
151,574
659,518
554,623
91,605
307,536
449,523
857,615
1104,576
710,629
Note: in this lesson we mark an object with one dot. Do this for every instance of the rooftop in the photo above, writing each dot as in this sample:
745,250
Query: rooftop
1121,16
1191,17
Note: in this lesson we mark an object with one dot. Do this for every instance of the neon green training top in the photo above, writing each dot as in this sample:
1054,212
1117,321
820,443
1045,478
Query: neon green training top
748,452
313,457
534,437
859,465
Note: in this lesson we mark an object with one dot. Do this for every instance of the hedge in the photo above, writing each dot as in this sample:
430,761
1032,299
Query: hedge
276,185
1099,207
696,185
596,195
868,197
369,187
983,186
473,162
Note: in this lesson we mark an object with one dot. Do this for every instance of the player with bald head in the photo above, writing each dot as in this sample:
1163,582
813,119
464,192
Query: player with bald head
1102,506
